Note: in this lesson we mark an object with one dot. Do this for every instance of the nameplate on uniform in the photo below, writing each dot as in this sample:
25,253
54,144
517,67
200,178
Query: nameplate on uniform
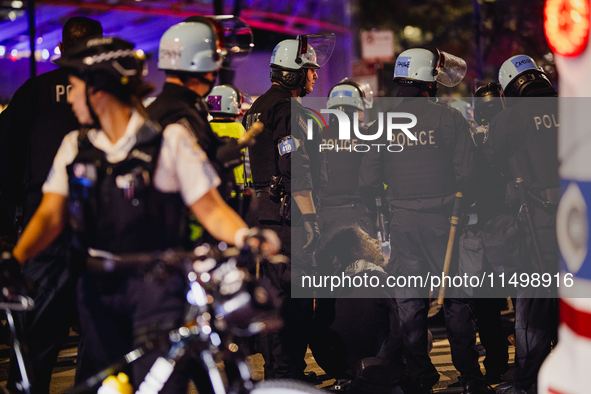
287,145
425,139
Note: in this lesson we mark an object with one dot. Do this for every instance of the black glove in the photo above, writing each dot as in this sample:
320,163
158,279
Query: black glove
312,232
9,267
229,154
12,281
264,240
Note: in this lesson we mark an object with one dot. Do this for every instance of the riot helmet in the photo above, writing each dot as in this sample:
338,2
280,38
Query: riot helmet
108,64
418,70
465,109
192,46
291,59
488,102
520,76
351,94
225,100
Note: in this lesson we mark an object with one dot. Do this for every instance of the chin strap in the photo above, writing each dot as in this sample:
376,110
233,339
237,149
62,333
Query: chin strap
96,123
209,83
304,91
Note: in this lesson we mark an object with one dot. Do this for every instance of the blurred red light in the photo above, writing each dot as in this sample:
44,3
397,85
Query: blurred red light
566,24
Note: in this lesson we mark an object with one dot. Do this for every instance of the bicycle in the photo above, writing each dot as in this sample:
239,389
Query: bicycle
225,304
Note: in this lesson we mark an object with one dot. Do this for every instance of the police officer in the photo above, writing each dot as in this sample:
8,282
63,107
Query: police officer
191,55
340,202
522,142
224,104
31,130
286,171
421,180
122,183
493,243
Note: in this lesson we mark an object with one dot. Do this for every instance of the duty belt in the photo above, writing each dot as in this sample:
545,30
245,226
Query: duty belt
351,204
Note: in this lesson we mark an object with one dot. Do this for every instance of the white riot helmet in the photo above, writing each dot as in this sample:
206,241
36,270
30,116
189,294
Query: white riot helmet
225,100
192,46
520,76
352,94
419,65
291,59
465,108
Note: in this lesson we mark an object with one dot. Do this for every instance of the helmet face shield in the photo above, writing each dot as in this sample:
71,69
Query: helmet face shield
450,70
236,36
367,94
314,50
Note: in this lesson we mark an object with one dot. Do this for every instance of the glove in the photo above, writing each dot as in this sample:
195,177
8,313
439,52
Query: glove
229,155
11,279
9,267
312,232
264,240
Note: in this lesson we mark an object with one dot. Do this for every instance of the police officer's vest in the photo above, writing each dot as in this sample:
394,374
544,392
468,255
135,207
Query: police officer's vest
235,130
425,167
115,206
272,107
536,161
343,167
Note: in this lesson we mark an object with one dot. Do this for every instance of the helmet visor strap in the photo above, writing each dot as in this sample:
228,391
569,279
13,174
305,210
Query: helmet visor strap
209,82
96,123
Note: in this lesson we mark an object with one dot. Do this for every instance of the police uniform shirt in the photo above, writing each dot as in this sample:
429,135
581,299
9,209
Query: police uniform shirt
343,167
182,165
530,124
274,109
178,104
31,130
427,173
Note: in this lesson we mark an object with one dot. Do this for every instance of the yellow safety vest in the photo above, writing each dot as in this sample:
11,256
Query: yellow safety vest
233,130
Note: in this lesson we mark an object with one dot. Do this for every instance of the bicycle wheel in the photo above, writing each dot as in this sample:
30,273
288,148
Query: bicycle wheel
285,386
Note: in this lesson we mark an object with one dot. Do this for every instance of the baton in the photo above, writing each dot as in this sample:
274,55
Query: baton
455,220
248,138
521,189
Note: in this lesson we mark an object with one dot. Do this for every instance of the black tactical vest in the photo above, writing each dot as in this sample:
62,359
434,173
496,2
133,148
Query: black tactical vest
536,160
271,108
343,167
115,206
425,167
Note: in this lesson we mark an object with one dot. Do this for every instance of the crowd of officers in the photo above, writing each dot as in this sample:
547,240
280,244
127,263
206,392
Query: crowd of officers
121,181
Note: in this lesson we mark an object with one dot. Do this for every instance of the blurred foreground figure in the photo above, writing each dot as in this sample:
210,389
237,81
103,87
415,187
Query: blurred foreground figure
123,184
31,130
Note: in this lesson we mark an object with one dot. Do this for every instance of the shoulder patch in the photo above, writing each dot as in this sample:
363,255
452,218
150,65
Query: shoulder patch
302,123
287,145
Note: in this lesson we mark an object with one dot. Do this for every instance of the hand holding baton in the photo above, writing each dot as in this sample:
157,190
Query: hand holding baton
455,220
